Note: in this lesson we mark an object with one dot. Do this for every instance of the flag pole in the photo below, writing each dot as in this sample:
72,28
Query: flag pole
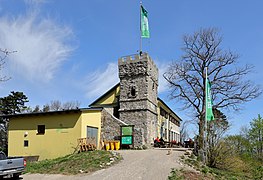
140,29
205,128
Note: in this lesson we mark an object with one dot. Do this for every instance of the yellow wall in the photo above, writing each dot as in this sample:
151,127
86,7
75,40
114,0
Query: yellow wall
167,124
91,119
109,98
60,138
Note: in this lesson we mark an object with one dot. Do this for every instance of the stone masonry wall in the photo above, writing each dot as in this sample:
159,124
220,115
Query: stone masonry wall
110,127
138,96
140,126
145,126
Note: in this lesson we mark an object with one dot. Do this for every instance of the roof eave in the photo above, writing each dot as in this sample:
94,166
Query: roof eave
169,108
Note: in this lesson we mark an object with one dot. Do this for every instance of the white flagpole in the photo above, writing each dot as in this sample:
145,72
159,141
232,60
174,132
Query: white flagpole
140,28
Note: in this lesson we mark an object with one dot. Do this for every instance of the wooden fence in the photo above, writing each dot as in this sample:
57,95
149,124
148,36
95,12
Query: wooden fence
87,144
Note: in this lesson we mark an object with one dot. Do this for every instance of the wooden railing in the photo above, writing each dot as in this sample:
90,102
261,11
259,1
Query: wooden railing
87,144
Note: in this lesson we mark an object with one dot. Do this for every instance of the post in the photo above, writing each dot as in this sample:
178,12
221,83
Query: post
140,52
205,125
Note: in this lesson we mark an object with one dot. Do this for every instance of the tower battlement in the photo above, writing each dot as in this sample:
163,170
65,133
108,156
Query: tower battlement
134,65
135,58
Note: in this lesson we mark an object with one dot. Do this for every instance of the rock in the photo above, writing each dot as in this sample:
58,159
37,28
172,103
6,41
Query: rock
81,171
188,152
169,152
114,154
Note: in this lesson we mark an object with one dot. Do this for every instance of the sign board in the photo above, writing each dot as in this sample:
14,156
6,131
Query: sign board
127,135
127,131
126,140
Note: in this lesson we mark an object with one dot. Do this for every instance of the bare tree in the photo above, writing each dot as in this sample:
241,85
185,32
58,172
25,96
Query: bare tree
3,122
71,105
55,105
186,77
36,109
46,108
4,53
184,131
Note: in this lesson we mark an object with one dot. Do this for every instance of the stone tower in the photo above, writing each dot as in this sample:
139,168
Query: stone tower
138,96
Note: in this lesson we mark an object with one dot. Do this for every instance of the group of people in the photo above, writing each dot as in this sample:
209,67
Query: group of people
158,142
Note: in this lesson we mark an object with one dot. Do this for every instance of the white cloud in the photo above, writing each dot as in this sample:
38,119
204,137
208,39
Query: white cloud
41,44
100,81
35,2
163,84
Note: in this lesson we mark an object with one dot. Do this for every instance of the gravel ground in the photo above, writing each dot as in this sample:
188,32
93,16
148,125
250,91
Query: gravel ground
152,164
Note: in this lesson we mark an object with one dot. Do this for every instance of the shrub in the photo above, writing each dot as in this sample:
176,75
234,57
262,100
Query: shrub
175,175
258,173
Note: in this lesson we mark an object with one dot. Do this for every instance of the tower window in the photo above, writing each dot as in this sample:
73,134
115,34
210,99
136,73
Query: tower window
133,91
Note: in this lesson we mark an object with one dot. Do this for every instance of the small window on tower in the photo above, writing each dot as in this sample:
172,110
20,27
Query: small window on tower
133,91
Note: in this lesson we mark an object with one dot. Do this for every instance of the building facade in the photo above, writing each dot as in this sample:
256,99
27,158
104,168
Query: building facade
47,135
133,101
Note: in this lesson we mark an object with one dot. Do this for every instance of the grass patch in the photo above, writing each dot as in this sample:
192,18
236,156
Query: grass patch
188,175
205,172
224,174
84,162
175,174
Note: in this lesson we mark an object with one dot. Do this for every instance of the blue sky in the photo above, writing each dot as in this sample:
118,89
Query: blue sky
67,50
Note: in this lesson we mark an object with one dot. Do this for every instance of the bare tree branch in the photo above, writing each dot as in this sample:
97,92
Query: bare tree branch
4,53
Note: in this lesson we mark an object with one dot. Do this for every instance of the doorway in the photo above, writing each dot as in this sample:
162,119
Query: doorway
92,132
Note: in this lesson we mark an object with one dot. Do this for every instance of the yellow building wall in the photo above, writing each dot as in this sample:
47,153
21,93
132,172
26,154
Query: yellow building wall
109,98
91,118
60,138
164,120
161,119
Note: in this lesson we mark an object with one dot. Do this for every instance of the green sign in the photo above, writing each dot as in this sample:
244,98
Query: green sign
126,140
126,131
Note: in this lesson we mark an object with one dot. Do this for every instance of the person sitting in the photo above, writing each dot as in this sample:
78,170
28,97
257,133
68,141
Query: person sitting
161,142
157,142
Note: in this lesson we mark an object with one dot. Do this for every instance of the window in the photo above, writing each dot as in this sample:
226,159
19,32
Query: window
133,91
41,129
25,143
163,113
116,112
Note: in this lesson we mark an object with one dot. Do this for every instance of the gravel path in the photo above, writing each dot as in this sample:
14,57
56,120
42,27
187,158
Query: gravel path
152,164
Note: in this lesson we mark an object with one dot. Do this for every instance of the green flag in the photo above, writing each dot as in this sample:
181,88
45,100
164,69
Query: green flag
208,102
145,33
